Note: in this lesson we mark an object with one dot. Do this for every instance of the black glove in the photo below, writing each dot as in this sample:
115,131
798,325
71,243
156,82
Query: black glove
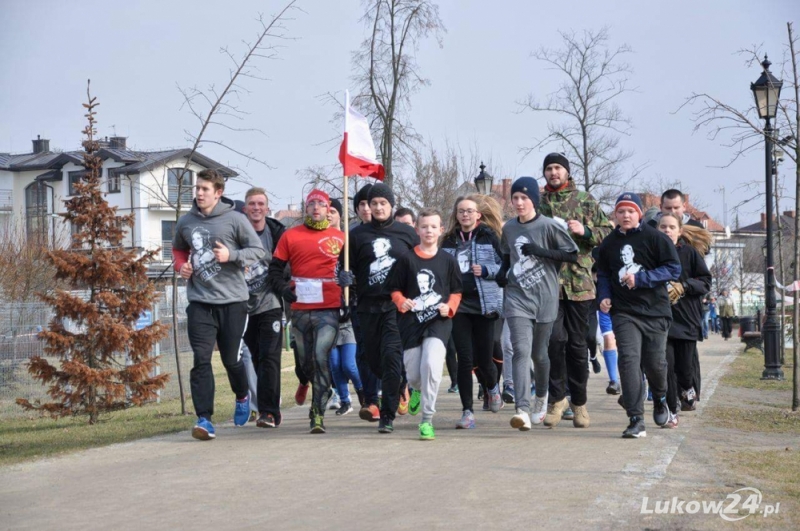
501,278
345,278
288,294
344,313
532,249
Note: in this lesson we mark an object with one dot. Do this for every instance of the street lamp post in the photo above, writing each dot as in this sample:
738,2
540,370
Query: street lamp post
483,182
767,90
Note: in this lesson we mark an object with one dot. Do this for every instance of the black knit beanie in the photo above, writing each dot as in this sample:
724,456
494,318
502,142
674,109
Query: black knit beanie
337,205
528,186
555,158
381,190
361,195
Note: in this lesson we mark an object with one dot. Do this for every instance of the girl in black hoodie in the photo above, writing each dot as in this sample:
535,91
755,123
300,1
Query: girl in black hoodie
686,296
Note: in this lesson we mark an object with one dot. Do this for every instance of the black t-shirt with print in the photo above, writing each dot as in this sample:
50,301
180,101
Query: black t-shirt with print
374,250
428,282
639,250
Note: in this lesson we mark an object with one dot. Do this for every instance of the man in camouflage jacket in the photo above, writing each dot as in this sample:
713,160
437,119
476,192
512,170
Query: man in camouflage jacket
568,351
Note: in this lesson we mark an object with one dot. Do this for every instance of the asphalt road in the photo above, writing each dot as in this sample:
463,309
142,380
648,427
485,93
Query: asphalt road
355,478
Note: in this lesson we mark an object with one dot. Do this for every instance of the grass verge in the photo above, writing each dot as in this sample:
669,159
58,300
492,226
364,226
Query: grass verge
745,372
28,438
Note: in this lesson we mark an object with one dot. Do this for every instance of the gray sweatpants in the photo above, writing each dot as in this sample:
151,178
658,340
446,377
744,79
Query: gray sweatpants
641,344
508,354
424,365
530,339
252,380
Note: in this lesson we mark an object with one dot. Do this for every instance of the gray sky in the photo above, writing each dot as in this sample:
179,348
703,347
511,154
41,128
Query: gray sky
137,52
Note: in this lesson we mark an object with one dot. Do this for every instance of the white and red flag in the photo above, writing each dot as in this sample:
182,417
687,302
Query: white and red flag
357,152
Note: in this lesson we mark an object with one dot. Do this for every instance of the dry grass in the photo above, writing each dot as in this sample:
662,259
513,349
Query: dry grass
27,438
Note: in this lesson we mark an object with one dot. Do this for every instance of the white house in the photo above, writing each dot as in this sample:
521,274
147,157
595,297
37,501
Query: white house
33,186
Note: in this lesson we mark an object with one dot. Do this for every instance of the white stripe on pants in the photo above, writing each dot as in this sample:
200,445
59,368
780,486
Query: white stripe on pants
424,365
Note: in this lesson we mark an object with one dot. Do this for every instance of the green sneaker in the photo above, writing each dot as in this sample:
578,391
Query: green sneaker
317,424
413,402
426,432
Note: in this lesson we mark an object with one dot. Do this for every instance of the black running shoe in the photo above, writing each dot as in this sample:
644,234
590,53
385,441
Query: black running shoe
596,365
613,388
385,425
635,429
660,411
344,409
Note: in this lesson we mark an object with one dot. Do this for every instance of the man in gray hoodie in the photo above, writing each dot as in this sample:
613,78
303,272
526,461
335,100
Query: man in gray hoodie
212,245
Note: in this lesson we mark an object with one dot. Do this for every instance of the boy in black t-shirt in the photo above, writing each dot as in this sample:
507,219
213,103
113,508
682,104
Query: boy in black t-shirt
426,287
635,263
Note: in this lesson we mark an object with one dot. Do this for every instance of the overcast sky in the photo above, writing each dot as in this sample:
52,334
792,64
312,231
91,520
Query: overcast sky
138,52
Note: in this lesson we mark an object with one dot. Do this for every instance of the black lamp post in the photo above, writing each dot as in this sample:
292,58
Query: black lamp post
767,90
483,182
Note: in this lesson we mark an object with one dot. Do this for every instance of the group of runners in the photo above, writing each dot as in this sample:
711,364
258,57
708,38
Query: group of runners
516,303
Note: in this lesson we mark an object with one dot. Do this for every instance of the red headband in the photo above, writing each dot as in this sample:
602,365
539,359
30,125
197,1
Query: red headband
318,195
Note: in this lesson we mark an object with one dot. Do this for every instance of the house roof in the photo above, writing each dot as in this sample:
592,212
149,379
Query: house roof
760,226
135,161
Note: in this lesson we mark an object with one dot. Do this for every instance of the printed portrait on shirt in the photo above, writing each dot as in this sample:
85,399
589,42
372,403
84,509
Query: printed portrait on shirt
426,305
256,276
204,263
529,270
628,258
463,258
380,267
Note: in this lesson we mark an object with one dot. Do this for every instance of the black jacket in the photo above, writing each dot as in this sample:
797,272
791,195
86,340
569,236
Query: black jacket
687,314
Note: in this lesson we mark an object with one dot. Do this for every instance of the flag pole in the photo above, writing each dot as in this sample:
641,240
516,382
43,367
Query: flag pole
346,207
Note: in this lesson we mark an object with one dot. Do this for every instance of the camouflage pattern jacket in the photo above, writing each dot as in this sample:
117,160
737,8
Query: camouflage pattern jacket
570,203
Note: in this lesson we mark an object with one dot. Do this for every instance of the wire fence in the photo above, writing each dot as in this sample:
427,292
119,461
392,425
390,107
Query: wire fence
20,324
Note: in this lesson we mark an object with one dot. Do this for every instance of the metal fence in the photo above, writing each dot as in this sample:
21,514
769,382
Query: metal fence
20,324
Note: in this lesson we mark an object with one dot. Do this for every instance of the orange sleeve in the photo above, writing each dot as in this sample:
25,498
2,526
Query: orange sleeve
453,302
398,299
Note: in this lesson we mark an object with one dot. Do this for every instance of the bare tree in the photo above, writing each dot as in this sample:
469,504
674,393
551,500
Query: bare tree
386,73
216,108
589,123
433,181
742,131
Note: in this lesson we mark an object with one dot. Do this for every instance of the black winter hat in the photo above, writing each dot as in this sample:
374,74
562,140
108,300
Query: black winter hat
381,190
337,205
528,186
555,158
361,195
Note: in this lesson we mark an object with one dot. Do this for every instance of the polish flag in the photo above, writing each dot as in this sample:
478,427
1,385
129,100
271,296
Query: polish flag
357,153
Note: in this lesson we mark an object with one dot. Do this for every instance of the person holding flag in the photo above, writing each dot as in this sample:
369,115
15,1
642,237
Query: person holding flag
374,247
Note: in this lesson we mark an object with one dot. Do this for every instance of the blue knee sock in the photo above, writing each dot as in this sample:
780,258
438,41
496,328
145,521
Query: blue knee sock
611,364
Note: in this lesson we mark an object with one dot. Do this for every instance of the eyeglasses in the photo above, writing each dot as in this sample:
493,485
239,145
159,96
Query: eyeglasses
469,212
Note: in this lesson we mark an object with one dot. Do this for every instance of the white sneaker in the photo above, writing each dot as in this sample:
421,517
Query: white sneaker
539,409
521,421
334,402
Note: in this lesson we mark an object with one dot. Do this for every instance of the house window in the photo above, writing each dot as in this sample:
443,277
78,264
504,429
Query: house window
36,215
185,185
74,177
113,183
167,232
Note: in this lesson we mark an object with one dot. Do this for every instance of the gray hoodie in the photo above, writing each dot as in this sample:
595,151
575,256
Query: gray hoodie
213,282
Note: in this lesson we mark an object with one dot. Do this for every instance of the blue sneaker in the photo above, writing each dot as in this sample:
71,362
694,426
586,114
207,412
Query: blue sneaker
242,412
203,430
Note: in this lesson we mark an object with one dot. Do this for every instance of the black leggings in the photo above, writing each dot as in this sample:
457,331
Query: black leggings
315,334
450,361
473,336
681,369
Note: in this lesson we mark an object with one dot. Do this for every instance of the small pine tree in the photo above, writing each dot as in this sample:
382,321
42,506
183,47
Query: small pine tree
105,365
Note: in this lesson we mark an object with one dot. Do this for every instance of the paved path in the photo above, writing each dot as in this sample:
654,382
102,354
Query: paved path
354,478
